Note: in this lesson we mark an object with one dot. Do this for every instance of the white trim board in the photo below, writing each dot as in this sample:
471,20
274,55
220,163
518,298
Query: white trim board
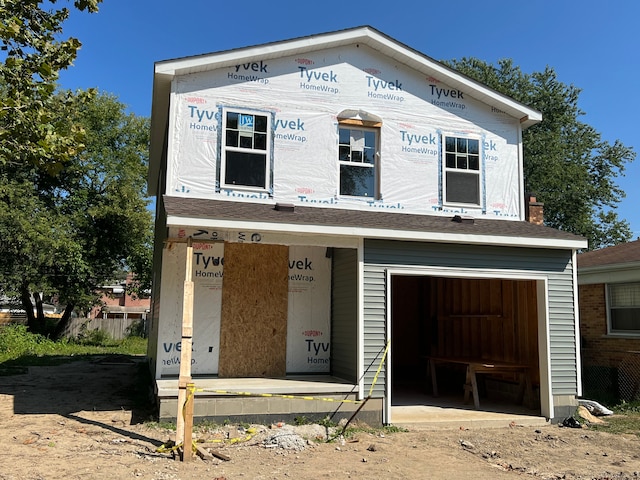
544,358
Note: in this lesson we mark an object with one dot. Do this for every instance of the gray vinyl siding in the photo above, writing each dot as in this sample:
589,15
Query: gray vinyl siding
344,314
555,264
375,333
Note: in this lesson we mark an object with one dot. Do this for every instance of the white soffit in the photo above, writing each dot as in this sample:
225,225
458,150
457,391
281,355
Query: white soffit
378,233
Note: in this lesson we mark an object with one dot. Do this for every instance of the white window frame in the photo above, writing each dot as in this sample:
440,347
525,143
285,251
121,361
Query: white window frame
265,186
360,126
446,169
610,307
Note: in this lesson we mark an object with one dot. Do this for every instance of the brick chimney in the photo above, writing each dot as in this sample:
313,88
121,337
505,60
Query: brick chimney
534,210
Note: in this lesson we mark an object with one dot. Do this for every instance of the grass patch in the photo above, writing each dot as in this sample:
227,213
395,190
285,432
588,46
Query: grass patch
386,430
620,423
19,347
360,427
625,420
161,425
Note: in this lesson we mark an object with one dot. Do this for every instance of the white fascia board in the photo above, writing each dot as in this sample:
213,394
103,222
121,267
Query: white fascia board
381,234
229,58
421,62
159,119
612,267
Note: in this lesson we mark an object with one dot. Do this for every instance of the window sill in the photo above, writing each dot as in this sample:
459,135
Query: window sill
246,190
462,205
631,336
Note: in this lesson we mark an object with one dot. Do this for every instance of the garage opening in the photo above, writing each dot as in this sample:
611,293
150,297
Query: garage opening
443,328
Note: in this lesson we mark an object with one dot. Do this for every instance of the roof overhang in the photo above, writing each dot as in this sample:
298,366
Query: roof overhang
166,71
378,233
320,222
610,273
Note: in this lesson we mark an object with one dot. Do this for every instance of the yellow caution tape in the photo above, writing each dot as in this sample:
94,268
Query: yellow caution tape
375,378
273,395
192,390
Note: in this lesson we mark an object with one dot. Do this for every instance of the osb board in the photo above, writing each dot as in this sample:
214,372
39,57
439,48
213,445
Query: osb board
253,325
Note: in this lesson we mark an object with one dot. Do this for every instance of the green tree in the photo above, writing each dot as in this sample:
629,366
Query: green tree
66,235
566,163
60,221
33,118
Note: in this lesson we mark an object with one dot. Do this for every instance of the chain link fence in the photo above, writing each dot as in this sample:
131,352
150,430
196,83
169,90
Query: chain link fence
611,376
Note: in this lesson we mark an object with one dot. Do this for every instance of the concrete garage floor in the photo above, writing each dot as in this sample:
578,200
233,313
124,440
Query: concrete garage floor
416,410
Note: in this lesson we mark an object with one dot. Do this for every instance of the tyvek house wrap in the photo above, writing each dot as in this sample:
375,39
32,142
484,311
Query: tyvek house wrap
304,96
308,316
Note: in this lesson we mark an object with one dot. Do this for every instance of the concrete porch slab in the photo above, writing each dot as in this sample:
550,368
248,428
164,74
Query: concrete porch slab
290,385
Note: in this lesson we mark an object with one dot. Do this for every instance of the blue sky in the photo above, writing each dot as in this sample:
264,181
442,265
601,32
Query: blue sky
591,44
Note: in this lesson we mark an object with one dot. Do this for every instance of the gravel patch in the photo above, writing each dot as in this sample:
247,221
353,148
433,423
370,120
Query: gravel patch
286,439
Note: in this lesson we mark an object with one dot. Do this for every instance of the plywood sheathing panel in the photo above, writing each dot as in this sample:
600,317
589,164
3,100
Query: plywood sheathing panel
253,326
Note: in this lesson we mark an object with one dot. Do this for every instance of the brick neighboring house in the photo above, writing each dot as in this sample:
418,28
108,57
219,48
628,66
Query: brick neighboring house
609,305
117,303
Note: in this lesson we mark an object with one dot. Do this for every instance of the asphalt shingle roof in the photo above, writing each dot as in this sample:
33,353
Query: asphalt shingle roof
621,253
335,217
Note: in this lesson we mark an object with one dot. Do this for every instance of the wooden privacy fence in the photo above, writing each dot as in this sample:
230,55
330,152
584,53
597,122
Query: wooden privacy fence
117,328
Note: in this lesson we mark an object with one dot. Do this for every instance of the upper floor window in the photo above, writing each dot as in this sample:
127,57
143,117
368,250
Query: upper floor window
245,156
357,153
461,172
624,308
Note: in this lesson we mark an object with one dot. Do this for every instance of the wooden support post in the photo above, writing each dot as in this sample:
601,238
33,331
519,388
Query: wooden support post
188,423
184,418
434,380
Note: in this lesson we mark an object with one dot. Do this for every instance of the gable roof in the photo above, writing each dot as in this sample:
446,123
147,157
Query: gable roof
166,71
621,254
224,214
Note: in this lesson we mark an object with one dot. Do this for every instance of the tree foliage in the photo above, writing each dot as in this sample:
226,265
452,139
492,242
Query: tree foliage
33,118
566,163
66,235
72,170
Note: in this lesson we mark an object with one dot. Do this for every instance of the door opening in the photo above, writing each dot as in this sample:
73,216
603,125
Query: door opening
456,323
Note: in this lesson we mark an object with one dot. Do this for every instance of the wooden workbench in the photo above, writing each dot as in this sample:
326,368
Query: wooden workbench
475,367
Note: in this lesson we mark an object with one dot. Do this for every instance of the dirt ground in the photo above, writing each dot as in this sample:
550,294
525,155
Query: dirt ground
86,420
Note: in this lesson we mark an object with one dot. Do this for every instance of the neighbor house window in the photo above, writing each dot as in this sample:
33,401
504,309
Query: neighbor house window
357,156
461,172
245,156
624,308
